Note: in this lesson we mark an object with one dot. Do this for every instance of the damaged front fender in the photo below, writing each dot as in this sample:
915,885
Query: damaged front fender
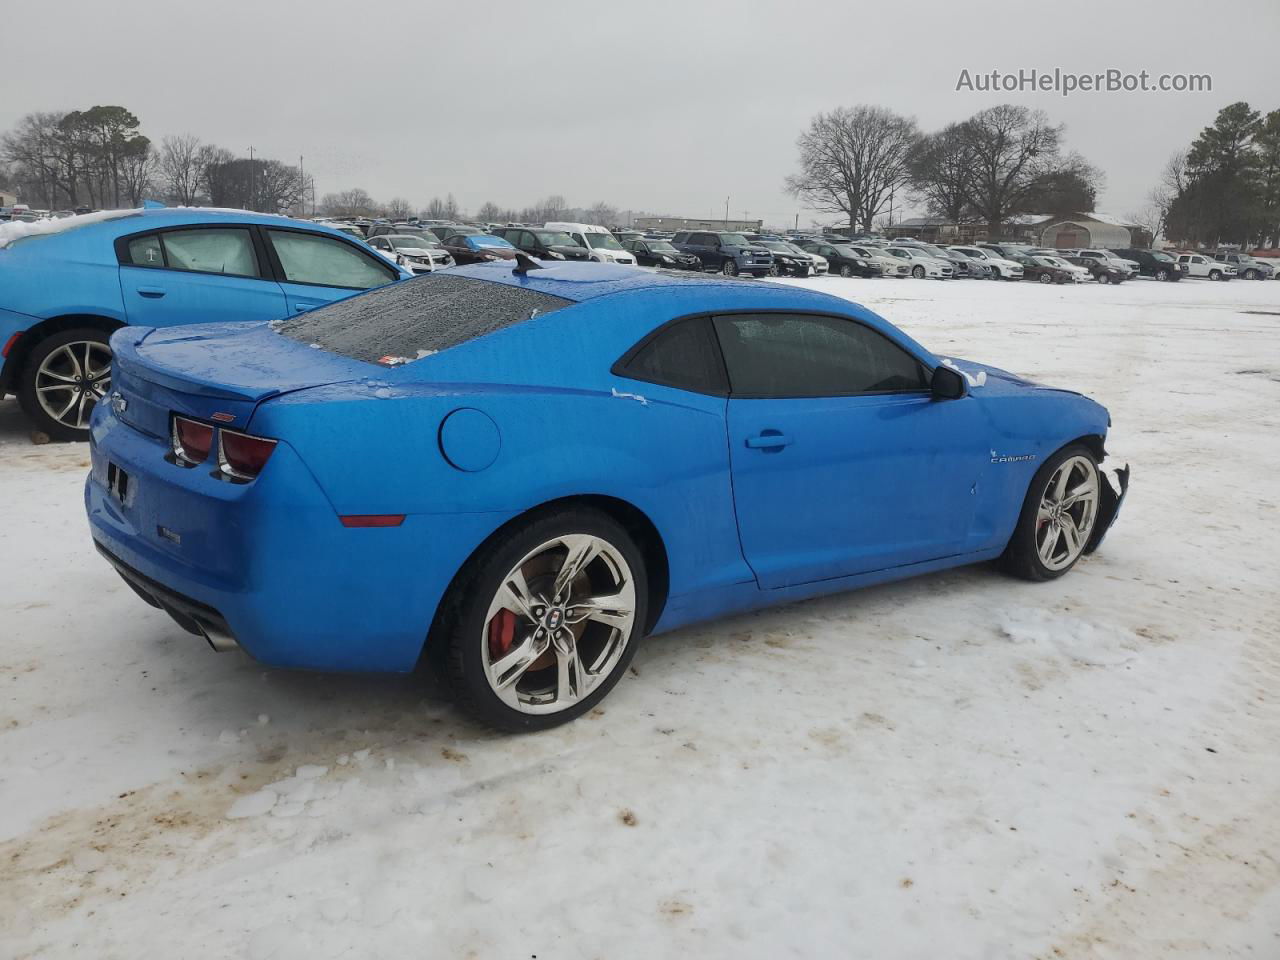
1109,501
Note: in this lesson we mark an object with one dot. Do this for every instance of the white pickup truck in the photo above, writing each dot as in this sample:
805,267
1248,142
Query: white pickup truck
1196,265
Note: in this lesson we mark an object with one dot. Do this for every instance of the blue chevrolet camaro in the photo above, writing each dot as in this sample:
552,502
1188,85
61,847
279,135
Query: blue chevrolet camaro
518,473
67,285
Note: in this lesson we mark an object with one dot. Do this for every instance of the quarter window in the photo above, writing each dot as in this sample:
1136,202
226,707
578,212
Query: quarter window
309,258
146,251
683,355
790,355
220,250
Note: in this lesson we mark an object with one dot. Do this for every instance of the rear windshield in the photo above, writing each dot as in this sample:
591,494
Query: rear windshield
406,321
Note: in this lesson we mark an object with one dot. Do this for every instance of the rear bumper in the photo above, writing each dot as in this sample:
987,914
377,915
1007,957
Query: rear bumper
269,565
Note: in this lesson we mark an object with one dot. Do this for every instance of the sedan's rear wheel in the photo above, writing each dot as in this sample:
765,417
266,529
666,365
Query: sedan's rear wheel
545,621
1057,518
1046,278
63,379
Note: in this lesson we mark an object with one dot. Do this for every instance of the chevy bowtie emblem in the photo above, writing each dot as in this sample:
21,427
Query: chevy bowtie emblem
223,417
119,404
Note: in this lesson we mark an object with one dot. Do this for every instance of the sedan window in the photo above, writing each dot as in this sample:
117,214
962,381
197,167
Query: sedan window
682,355
789,355
309,258
146,251
228,251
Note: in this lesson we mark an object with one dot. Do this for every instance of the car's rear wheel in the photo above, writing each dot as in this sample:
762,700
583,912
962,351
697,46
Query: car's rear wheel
1045,278
729,268
1058,516
1103,278
544,621
918,272
63,379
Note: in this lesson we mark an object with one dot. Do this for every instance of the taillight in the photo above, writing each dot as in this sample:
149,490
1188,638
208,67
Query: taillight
192,441
241,456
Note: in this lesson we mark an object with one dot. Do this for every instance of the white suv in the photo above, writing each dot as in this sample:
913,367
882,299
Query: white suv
1001,268
604,246
1196,265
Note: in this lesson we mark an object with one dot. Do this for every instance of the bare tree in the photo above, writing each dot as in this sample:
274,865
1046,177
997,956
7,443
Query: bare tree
138,170
1013,149
603,214
348,203
852,160
942,173
180,170
398,208
489,212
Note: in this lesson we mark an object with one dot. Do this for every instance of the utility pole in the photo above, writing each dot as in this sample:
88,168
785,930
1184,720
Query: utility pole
251,205
726,212
302,186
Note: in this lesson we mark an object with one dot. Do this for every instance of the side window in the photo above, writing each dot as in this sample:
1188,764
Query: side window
683,355
791,355
146,251
221,250
310,258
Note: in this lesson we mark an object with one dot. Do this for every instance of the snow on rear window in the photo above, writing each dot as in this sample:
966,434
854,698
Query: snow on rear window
405,321
16,230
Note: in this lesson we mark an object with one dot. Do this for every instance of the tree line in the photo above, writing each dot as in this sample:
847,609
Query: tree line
98,158
358,203
1225,186
1003,161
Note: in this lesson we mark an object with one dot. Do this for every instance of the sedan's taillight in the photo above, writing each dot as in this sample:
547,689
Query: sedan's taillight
242,456
192,441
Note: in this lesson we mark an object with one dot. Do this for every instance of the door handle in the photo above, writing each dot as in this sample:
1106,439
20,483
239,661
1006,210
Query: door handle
304,307
769,440
155,293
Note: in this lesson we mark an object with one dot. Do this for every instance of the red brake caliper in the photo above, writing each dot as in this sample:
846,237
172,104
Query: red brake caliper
502,630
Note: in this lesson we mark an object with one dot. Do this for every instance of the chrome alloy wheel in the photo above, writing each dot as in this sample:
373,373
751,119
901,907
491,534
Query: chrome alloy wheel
72,379
1068,509
559,624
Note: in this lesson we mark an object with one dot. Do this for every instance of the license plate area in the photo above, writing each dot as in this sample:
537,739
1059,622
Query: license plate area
118,483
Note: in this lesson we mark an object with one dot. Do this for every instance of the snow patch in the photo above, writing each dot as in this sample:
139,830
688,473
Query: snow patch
1085,642
623,395
252,805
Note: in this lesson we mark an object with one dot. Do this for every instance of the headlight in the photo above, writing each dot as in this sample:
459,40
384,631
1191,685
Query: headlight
665,259
555,256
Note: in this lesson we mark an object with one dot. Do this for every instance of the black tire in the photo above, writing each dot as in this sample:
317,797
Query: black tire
28,398
775,271
1020,557
1252,275
1215,274
1046,278
458,636
846,271
1103,278
1162,274
918,272
995,273
729,267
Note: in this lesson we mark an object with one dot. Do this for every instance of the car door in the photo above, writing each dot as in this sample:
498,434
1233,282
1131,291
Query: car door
316,268
842,461
205,273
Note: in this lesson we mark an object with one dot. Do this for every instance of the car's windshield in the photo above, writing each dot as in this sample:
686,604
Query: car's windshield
412,243
552,238
846,251
602,241
734,240
487,241
1163,257
775,245
660,246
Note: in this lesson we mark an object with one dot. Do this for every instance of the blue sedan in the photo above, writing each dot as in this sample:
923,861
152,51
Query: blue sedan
517,473
67,285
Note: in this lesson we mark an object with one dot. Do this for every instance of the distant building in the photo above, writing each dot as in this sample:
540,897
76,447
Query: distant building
1092,230
7,198
1068,231
672,224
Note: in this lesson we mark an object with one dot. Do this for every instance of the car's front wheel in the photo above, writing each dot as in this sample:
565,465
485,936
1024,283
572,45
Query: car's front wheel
917,272
1215,274
775,270
1058,516
1045,278
995,273
1251,275
1162,274
545,620
846,271
63,379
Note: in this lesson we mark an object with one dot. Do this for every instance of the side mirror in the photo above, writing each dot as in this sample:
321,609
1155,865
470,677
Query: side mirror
947,384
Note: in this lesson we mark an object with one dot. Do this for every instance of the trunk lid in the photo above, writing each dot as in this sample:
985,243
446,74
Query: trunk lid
213,372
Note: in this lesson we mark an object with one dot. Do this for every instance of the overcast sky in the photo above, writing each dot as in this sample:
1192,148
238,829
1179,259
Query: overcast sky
663,106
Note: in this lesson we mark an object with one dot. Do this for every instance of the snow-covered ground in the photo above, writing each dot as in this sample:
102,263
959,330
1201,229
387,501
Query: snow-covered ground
961,766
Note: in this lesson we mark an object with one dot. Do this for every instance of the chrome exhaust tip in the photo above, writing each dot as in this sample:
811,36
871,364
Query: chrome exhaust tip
218,638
